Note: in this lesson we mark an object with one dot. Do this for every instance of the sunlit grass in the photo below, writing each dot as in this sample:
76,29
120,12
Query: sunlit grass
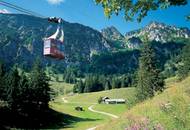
88,119
116,109
125,93
61,88
171,109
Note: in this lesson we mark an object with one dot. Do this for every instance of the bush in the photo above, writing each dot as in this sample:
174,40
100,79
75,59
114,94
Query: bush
100,100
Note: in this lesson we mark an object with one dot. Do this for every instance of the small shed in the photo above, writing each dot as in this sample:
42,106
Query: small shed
114,101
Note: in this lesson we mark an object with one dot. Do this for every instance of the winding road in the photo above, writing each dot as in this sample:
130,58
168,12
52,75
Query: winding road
93,128
101,112
90,108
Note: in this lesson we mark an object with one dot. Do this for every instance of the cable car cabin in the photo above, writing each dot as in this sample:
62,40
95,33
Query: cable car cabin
53,48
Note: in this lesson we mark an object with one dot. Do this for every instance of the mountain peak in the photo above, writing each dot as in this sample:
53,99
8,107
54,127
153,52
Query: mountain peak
111,28
111,33
155,24
160,32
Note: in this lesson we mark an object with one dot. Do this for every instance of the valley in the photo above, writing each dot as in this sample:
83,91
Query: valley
153,109
95,77
88,117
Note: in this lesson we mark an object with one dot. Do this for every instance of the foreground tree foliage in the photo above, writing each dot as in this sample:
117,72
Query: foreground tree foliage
39,87
13,90
149,79
136,8
25,94
2,81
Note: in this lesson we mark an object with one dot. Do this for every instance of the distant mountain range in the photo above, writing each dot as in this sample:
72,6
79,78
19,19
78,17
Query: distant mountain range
21,40
154,31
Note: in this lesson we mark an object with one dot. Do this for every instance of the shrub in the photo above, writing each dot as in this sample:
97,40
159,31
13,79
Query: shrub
100,100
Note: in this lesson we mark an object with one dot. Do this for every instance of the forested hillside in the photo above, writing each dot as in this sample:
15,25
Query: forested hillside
86,50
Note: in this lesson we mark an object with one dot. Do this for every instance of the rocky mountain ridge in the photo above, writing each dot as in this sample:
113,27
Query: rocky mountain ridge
159,32
154,31
117,40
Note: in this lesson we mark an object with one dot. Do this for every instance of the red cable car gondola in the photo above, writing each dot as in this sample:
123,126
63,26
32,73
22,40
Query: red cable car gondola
53,47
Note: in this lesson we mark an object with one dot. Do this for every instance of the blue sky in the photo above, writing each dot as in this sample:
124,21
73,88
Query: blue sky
88,13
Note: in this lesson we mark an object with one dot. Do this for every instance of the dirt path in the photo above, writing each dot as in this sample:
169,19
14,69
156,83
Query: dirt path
90,108
101,112
93,128
64,100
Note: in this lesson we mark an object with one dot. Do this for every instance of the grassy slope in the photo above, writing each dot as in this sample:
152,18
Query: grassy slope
87,119
175,116
61,88
126,93
118,109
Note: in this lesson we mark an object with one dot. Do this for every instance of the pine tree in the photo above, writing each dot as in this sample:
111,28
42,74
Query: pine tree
89,83
102,80
149,79
96,83
12,88
107,85
113,82
39,87
2,81
69,75
75,88
184,68
123,82
23,86
80,86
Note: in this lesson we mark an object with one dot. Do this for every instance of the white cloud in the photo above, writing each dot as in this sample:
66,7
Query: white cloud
55,2
4,11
